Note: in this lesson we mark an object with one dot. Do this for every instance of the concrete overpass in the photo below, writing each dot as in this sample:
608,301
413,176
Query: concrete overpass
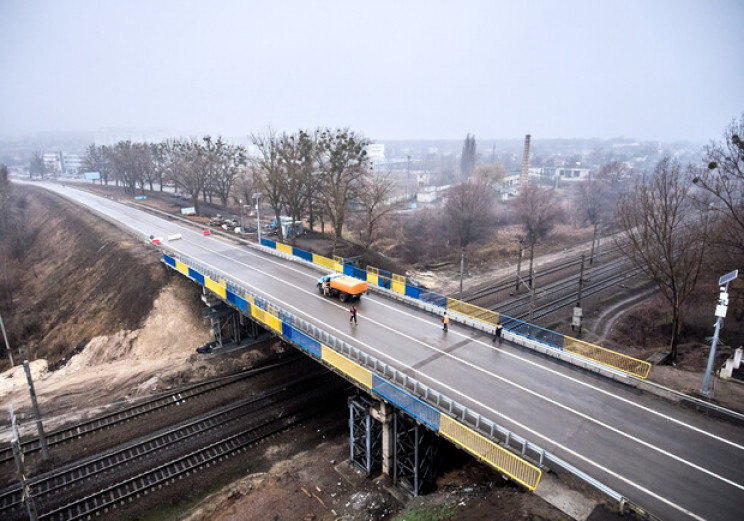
674,462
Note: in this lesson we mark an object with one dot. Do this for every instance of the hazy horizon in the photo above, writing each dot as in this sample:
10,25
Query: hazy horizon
648,70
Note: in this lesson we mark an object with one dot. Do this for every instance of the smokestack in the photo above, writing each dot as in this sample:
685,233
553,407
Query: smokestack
525,177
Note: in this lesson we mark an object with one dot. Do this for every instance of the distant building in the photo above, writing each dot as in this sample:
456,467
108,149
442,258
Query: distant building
71,163
52,162
62,163
571,174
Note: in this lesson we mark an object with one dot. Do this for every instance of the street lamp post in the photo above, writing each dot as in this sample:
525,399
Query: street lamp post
721,308
242,211
257,196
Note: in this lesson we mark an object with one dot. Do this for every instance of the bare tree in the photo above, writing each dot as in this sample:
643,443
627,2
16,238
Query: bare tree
227,162
191,163
665,236
536,208
723,179
268,174
374,207
616,173
98,159
467,208
6,192
595,201
37,166
491,174
297,154
343,165
158,157
467,211
146,166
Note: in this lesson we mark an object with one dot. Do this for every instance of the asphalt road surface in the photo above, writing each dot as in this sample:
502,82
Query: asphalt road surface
678,464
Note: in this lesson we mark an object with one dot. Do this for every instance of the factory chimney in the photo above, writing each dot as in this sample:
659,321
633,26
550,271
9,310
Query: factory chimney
524,177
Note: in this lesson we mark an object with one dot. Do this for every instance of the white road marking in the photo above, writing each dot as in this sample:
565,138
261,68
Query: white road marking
491,374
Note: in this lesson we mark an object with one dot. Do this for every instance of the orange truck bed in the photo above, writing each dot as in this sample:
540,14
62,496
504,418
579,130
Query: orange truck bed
342,286
349,285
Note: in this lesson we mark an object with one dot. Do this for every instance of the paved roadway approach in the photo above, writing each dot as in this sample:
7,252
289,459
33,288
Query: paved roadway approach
677,463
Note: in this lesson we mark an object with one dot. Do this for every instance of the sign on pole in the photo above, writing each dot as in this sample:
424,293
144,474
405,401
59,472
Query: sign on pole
728,277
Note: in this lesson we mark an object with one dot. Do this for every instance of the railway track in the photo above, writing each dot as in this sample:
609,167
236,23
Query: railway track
564,292
32,446
126,473
569,298
485,293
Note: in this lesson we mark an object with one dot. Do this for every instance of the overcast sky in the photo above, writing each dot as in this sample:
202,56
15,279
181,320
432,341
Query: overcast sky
401,69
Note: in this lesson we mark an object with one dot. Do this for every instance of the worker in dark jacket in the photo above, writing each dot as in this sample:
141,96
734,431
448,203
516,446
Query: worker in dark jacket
497,333
352,314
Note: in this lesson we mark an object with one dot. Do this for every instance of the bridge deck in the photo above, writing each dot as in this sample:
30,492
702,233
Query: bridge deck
676,463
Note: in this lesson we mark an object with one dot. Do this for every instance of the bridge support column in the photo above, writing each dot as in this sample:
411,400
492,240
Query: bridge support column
365,435
383,438
416,455
229,326
383,413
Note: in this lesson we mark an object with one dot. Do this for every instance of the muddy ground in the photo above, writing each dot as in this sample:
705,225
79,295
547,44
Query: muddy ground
102,321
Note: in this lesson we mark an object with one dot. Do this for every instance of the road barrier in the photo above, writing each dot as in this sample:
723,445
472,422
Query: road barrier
432,408
402,285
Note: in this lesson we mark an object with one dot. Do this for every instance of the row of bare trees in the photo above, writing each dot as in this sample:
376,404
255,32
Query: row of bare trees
205,167
322,174
672,216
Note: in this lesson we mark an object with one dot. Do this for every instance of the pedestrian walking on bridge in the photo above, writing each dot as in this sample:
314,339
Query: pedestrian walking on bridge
497,333
445,321
352,314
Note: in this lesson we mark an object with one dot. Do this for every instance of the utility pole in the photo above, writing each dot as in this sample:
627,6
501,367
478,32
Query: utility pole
15,443
594,241
7,345
519,265
532,300
257,196
37,414
721,309
462,268
577,313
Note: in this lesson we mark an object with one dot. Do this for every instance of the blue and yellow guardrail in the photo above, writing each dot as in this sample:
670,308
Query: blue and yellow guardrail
410,288
517,468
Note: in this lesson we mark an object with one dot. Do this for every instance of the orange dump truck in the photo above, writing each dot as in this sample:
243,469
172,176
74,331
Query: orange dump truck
347,288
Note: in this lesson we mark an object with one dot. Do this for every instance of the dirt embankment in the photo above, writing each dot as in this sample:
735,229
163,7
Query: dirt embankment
85,288
99,316
77,277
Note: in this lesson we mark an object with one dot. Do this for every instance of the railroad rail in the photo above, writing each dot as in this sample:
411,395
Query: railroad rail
173,399
508,283
564,292
127,472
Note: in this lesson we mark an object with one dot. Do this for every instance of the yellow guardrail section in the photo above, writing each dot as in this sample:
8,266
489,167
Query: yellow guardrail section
373,275
507,462
606,357
398,284
346,366
328,263
180,266
482,314
285,248
268,319
216,287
